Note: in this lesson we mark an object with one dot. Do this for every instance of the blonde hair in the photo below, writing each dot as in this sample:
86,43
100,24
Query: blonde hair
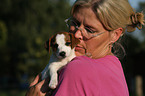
113,14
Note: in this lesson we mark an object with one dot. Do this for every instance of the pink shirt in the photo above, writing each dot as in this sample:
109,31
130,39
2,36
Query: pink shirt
84,76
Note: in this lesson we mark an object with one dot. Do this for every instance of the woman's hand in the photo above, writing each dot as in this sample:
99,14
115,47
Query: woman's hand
39,88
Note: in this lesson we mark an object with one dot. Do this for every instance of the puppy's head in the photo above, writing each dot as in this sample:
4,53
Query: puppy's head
62,44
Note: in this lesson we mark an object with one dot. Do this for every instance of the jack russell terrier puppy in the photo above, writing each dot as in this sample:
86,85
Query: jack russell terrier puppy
63,47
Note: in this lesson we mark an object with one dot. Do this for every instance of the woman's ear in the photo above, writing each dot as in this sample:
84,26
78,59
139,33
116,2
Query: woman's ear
115,35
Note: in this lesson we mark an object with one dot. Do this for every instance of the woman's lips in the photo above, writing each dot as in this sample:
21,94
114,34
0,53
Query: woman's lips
79,47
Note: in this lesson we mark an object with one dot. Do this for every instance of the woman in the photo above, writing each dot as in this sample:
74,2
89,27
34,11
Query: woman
96,71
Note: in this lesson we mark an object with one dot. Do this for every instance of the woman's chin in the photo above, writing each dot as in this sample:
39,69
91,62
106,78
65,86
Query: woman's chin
79,53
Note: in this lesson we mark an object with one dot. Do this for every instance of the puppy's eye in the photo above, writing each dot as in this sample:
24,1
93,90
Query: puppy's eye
55,45
67,43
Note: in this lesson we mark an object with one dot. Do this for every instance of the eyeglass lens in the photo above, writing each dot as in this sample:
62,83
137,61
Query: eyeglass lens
86,32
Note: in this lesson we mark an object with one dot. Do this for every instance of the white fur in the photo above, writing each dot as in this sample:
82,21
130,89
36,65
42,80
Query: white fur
60,40
56,62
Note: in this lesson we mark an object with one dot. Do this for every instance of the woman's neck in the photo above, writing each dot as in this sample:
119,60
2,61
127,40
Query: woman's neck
102,53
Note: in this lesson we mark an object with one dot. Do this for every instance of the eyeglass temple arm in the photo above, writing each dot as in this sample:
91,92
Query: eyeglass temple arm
66,21
98,34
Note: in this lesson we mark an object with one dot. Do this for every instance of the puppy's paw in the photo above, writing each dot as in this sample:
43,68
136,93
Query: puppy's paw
53,84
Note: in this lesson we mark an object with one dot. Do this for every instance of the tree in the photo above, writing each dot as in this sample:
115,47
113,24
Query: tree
26,25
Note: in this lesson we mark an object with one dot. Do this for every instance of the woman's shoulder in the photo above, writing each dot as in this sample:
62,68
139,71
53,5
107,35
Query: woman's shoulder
79,62
77,66
84,60
83,63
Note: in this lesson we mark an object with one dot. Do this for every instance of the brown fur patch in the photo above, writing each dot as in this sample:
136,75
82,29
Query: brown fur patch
74,41
69,37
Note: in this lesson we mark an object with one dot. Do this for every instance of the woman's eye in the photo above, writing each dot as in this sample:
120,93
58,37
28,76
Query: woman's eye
89,30
67,43
73,23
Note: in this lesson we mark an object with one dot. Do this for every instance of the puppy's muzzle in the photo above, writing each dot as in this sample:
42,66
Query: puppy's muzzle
62,54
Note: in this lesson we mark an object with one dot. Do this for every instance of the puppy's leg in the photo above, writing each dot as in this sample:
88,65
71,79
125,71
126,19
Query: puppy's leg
53,78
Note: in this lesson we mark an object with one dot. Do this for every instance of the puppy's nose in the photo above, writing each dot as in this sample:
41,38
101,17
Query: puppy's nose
62,54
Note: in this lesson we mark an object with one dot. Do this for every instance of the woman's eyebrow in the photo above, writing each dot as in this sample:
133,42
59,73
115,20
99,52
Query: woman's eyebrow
86,25
91,27
75,20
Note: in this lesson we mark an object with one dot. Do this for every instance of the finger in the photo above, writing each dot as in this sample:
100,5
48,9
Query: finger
35,93
37,90
35,81
41,94
30,91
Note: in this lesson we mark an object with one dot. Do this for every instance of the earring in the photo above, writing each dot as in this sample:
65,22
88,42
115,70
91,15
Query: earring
88,55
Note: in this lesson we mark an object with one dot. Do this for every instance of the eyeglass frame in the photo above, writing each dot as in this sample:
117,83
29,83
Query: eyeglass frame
77,28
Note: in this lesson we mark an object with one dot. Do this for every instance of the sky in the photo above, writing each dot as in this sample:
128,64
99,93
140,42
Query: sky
134,3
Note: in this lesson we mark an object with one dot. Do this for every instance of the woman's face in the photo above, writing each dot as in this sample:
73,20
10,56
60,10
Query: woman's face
95,46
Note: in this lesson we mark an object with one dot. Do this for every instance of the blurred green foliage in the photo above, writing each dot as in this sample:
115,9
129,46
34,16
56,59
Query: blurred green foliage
25,25
12,93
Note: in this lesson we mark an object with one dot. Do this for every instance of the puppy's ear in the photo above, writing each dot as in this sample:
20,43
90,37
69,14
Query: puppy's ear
48,44
74,41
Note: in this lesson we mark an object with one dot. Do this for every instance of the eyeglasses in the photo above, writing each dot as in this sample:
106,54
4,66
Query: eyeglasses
86,31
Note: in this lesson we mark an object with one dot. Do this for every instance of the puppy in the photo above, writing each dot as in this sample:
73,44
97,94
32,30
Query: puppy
62,45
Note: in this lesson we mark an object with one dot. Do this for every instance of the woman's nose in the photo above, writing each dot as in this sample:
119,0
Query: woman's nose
78,33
